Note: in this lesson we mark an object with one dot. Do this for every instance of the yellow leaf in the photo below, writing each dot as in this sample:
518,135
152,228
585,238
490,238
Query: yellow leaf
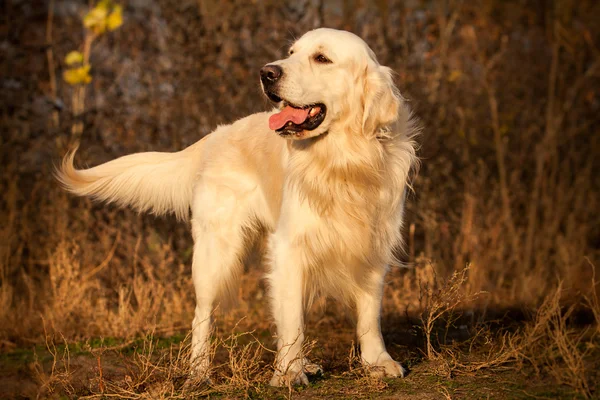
95,20
115,19
76,76
104,4
74,57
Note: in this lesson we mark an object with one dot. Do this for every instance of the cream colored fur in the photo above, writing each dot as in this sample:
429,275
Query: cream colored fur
157,182
331,200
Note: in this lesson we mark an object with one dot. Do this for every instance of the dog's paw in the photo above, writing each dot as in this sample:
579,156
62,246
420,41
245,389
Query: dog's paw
288,378
387,368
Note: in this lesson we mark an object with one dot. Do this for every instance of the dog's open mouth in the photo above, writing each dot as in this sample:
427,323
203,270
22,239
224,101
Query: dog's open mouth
293,120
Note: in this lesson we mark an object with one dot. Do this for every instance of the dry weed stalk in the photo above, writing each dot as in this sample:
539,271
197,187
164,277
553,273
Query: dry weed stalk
549,344
105,15
441,303
59,379
51,67
445,392
147,363
151,373
244,362
69,289
502,350
157,374
592,301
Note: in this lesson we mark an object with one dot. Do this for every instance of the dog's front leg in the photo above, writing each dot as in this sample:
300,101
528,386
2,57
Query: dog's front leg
286,279
373,352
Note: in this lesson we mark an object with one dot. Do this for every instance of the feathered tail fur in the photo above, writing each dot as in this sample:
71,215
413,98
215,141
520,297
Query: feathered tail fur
157,182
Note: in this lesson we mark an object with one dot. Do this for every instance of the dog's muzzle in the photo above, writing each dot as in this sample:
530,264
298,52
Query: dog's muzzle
269,75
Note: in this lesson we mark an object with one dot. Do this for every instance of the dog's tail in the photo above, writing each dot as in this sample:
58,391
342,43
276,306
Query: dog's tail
156,182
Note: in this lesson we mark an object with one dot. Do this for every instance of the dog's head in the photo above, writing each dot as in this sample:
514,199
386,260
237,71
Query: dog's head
330,79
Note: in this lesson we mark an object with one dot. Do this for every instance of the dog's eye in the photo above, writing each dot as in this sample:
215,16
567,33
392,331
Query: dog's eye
321,59
290,52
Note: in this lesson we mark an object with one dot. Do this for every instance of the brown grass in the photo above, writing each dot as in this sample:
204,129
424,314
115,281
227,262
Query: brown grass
58,378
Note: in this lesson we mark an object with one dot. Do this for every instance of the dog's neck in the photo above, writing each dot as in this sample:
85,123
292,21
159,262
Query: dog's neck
338,149
334,168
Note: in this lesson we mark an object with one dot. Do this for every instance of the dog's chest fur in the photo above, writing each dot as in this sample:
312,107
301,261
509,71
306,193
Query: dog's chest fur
341,211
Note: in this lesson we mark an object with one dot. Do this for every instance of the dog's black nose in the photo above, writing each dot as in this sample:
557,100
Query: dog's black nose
269,74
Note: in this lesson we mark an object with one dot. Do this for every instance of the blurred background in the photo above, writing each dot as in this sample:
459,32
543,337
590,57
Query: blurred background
507,93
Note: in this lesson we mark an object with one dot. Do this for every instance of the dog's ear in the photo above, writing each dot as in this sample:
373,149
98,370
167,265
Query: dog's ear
381,99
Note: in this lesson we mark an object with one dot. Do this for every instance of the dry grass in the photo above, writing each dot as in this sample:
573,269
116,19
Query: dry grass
58,378
508,96
545,345
439,305
550,344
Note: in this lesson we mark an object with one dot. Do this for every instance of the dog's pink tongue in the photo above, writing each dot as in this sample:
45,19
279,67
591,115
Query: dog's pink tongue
296,115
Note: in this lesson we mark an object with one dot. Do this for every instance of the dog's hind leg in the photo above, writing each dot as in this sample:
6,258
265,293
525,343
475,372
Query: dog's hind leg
219,226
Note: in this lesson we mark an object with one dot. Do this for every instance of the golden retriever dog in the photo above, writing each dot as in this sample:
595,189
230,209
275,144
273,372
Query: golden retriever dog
324,174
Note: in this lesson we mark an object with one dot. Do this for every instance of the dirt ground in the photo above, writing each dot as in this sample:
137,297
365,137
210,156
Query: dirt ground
342,378
155,367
